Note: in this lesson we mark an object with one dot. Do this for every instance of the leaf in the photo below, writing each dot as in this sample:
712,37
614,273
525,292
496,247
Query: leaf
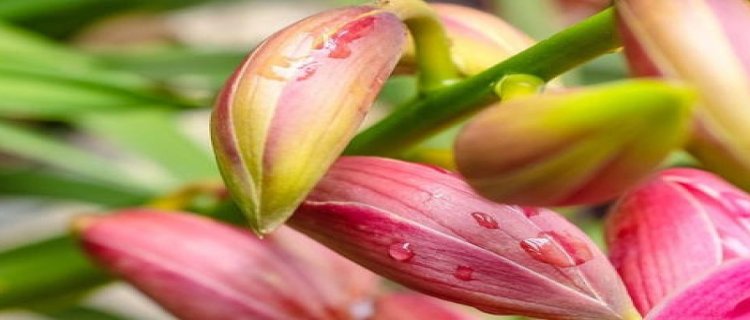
154,133
35,182
29,92
21,46
82,313
181,67
51,151
44,270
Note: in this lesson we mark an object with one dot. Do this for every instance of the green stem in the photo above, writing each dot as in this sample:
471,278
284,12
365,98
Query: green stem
433,55
427,115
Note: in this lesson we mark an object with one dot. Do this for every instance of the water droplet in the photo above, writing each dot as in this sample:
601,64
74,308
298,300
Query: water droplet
464,273
738,204
485,220
362,309
401,251
337,44
557,250
530,211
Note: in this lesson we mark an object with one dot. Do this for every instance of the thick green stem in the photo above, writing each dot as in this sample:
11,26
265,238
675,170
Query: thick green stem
433,55
427,115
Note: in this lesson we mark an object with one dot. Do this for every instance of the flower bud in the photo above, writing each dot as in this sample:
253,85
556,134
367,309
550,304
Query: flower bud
575,147
292,106
424,228
199,269
409,306
724,294
705,43
674,228
479,40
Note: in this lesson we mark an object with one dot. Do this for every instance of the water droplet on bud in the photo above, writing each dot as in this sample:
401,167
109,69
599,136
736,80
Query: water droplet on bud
485,220
401,251
529,211
558,250
464,273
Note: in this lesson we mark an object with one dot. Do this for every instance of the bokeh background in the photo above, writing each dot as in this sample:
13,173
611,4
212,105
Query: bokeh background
105,103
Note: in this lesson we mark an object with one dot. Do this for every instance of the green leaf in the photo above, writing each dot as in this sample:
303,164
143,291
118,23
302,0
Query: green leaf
154,133
45,183
21,46
43,271
59,96
51,151
165,63
81,313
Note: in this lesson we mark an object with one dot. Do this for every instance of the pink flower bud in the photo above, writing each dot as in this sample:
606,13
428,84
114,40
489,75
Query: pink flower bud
425,228
723,294
406,306
293,105
673,229
200,269
706,44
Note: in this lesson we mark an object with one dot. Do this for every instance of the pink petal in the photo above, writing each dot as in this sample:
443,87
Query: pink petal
723,294
426,229
199,269
673,229
409,306
660,238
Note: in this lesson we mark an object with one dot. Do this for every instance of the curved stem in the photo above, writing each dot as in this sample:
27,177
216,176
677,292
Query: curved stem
427,115
433,55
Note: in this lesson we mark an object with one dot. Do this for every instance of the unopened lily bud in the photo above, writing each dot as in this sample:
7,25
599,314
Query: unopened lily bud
704,43
199,269
674,228
293,105
479,40
410,306
576,147
425,228
723,294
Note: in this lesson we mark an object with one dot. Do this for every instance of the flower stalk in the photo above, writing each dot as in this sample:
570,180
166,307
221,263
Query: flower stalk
433,54
421,118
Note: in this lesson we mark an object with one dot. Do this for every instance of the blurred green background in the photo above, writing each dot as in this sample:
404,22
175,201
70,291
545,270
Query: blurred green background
105,104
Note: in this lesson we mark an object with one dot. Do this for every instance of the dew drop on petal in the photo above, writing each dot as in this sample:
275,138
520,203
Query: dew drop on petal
464,273
485,220
530,211
557,250
401,251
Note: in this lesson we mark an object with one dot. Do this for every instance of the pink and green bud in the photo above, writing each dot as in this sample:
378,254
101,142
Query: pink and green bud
199,269
576,147
478,39
293,105
723,294
425,228
704,43
673,229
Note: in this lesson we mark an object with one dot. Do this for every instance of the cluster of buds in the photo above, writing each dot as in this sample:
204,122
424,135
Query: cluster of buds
481,236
